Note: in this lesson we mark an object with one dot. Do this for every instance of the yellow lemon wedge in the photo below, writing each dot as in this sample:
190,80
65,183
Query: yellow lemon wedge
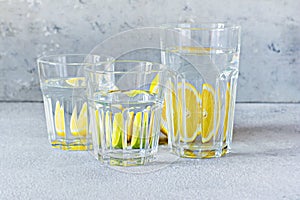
154,85
82,122
97,120
130,125
175,113
151,126
227,104
193,113
59,118
73,123
209,109
140,127
137,123
118,131
77,81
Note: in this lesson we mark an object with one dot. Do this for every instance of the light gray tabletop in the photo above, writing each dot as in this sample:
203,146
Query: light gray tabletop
265,163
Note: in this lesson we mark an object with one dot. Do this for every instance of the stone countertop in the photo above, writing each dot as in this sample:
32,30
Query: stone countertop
264,164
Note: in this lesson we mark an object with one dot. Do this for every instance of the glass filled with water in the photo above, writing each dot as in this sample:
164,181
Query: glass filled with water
125,101
207,56
63,87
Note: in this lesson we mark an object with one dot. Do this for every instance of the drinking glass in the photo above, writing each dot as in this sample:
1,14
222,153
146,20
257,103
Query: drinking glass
125,102
201,105
63,86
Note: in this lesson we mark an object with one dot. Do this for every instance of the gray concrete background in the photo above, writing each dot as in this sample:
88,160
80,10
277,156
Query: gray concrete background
270,67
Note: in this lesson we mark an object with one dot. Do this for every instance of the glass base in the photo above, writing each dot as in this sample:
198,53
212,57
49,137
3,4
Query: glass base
199,153
70,146
126,158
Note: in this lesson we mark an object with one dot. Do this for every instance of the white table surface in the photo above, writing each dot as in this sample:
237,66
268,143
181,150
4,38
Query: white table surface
264,164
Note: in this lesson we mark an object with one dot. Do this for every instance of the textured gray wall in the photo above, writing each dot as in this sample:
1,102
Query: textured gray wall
270,66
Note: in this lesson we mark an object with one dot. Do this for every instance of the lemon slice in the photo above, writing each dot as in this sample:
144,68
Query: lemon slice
151,126
208,106
227,101
193,113
73,123
130,125
97,118
154,90
118,131
59,118
163,126
175,113
77,81
82,122
138,126
154,85
135,140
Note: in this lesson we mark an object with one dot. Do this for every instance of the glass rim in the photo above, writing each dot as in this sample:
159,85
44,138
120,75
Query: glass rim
47,59
202,26
162,68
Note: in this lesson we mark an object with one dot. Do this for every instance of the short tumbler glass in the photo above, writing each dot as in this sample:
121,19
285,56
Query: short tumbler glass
63,86
125,103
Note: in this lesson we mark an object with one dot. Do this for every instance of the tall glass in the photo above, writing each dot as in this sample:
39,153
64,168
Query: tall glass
63,86
125,102
207,55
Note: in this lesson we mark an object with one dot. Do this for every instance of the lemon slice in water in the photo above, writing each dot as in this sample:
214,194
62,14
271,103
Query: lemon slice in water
176,109
210,113
140,127
118,131
83,121
73,123
135,140
77,81
154,85
130,125
59,118
227,105
193,113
